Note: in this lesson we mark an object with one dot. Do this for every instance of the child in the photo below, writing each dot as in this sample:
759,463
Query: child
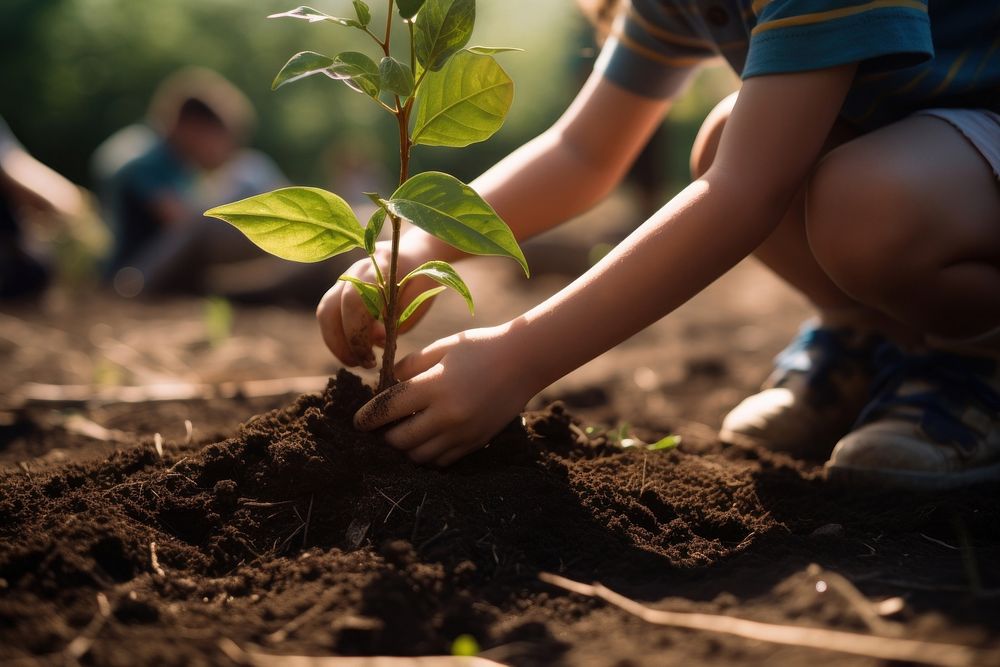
195,158
860,161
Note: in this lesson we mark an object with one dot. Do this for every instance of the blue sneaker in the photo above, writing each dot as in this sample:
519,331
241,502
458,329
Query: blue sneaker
933,423
820,383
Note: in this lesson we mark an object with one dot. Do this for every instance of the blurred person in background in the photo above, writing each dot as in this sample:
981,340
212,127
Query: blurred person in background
29,192
156,180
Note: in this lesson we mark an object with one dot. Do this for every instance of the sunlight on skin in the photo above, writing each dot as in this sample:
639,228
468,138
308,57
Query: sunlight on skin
463,389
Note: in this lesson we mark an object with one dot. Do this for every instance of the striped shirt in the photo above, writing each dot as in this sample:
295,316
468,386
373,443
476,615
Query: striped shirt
912,54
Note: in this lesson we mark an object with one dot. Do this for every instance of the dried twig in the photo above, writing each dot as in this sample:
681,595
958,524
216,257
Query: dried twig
309,513
34,393
416,519
395,503
256,658
77,424
154,561
321,605
885,648
81,645
246,502
940,543
642,485
868,613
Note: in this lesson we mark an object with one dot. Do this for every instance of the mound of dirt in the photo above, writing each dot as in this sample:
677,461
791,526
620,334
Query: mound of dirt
301,534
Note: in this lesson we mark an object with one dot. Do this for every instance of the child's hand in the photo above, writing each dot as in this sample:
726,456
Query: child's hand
347,327
454,396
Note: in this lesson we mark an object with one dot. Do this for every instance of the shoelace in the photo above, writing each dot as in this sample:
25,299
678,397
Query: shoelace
955,381
831,353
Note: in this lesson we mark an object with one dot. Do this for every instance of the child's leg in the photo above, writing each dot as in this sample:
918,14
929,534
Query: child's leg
907,220
821,382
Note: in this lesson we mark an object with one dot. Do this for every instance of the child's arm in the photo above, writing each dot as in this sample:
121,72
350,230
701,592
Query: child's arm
463,389
556,176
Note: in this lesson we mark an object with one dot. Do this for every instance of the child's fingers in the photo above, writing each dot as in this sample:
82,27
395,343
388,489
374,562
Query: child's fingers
398,401
357,324
414,431
328,314
416,363
378,333
433,450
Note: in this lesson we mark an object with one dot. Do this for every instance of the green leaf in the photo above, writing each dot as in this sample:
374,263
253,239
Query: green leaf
491,50
363,11
373,229
371,295
376,198
300,66
442,29
408,8
358,71
315,16
450,210
444,273
298,224
463,103
419,301
669,442
396,77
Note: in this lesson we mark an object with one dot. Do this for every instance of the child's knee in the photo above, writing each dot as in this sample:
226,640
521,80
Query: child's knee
859,221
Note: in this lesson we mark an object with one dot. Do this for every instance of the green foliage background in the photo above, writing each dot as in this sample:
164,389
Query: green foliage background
75,71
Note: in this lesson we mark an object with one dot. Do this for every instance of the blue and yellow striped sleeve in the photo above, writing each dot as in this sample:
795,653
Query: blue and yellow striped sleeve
653,47
801,35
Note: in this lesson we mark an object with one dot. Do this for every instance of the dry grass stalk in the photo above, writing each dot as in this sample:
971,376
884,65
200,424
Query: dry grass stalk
871,646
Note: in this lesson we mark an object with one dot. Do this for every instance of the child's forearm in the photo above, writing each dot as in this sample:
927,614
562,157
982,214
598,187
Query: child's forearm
539,186
771,143
693,240
564,171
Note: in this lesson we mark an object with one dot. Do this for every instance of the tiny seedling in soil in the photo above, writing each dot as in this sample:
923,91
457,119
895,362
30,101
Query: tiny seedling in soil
441,92
624,438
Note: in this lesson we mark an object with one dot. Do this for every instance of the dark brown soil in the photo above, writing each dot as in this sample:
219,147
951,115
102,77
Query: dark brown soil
300,526
402,559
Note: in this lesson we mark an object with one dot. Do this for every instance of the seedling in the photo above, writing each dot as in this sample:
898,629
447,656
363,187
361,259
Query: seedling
218,318
442,93
624,438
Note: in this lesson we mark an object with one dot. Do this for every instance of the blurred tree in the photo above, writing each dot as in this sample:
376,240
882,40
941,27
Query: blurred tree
75,71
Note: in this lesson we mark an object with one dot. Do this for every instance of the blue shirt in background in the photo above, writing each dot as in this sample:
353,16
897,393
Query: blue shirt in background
134,190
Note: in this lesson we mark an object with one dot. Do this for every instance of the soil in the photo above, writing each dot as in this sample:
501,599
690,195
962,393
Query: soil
294,534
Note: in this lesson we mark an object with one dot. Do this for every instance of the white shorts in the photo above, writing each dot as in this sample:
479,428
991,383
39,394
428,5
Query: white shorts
980,126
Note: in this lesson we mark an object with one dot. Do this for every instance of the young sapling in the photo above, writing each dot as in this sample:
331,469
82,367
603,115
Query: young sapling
441,93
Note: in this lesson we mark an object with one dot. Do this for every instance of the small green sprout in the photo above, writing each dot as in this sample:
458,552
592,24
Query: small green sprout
441,92
218,317
624,438
465,646
669,442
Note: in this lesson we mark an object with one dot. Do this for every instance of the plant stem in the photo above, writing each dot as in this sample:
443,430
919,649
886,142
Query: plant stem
388,28
387,375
